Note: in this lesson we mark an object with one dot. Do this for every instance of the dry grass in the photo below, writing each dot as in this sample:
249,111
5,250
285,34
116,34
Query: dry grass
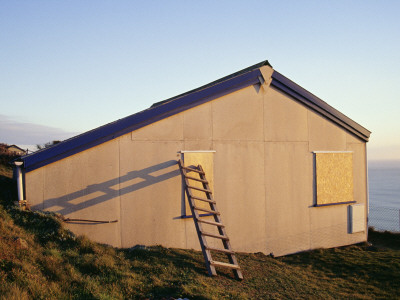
58,265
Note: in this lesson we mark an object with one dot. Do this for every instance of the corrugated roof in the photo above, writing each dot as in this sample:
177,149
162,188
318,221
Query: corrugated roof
174,105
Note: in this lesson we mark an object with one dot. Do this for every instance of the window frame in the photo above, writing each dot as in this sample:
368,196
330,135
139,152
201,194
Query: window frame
315,181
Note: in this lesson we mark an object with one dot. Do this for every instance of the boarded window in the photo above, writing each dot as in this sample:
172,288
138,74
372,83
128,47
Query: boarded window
334,177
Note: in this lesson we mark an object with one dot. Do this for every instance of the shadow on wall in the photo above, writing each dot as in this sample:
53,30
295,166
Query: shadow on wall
110,189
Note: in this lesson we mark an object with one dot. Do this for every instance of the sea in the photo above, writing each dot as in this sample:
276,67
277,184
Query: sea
384,195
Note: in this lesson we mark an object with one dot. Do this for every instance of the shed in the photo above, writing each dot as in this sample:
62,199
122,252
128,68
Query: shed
288,171
16,150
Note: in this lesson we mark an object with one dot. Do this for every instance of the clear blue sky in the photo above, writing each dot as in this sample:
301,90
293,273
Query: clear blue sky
69,66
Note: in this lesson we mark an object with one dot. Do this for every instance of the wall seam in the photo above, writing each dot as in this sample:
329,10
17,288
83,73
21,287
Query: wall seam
183,195
43,187
212,124
119,193
312,180
265,175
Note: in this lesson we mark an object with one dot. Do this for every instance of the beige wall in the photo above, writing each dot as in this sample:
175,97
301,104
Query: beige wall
263,177
82,186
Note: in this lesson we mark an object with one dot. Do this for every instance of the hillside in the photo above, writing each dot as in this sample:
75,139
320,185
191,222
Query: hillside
39,259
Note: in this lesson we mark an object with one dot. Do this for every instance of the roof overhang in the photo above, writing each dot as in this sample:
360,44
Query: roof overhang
157,112
303,96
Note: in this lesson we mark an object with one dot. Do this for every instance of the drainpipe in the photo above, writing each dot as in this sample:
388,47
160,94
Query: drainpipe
20,185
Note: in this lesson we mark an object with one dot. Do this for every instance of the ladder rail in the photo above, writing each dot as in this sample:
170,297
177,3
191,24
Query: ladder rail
206,250
222,231
203,242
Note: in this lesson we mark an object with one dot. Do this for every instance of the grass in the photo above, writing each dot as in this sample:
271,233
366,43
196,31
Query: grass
55,264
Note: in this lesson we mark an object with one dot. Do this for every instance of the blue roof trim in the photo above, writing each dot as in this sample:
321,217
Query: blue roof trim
292,89
133,122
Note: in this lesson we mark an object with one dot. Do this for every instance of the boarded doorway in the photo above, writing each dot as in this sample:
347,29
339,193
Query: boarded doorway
205,158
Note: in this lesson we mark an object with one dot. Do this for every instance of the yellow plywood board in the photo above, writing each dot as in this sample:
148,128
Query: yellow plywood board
334,177
205,159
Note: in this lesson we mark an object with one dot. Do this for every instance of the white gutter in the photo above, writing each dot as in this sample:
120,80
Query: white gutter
20,184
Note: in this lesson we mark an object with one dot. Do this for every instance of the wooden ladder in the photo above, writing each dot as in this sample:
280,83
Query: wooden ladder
227,249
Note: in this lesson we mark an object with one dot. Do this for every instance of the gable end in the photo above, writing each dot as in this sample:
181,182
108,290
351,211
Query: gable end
298,93
136,121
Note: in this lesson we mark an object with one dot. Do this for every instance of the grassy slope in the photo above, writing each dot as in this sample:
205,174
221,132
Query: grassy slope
57,264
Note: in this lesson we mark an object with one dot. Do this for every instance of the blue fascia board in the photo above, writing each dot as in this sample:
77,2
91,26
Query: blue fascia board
300,94
133,122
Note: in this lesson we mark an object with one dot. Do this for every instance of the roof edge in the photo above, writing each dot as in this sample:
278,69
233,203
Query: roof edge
245,70
163,109
102,134
300,94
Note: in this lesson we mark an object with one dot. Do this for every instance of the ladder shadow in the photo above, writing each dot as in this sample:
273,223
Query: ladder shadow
109,189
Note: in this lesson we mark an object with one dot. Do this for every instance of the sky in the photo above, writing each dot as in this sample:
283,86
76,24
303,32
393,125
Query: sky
70,66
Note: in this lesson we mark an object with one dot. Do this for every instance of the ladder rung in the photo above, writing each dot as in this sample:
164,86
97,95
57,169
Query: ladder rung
206,210
203,199
197,179
225,265
192,170
199,189
217,236
220,250
210,263
210,222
